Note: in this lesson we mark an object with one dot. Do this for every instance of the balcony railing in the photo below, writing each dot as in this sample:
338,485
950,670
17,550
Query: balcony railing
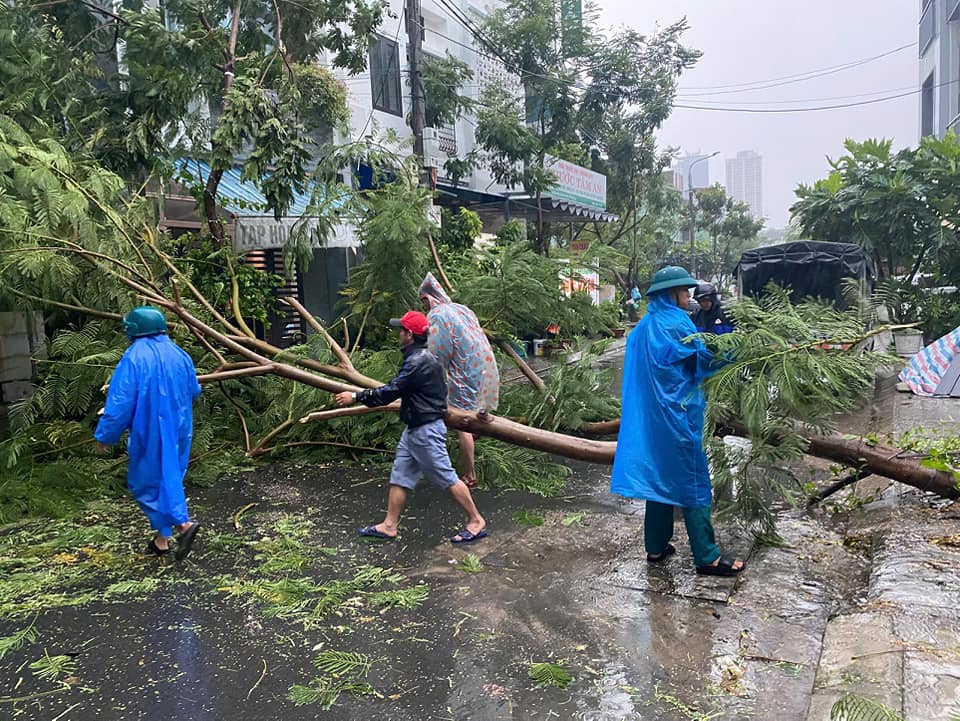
447,135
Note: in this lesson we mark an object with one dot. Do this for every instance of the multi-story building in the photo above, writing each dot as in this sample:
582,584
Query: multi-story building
939,43
382,99
745,180
700,177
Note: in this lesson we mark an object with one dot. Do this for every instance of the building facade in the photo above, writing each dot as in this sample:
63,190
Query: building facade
745,180
939,47
700,177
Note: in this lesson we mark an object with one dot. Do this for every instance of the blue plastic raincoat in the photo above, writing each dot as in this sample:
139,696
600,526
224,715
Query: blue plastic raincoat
151,395
660,454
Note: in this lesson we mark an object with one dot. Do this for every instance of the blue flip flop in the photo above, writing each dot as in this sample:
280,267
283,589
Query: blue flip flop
372,532
467,537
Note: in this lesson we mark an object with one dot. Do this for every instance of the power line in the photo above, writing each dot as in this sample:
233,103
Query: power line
798,77
799,100
798,110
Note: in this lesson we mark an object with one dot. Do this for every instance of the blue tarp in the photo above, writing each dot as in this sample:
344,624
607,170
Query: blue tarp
151,395
660,455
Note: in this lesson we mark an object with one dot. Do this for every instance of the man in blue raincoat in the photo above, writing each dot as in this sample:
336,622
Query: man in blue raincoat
660,456
151,395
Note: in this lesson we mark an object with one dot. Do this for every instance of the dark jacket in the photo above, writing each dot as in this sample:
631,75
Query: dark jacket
420,385
712,321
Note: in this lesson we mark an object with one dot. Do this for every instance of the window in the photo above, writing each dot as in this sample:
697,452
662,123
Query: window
385,76
926,107
928,25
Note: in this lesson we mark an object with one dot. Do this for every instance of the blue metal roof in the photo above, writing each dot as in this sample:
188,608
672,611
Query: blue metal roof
240,197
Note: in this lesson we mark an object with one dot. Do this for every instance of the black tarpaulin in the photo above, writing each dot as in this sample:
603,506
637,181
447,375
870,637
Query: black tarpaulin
808,268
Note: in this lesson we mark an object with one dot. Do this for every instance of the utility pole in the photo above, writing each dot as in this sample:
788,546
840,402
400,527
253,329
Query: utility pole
693,212
418,110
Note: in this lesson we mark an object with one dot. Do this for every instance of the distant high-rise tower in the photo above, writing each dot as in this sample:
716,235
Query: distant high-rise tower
745,180
701,171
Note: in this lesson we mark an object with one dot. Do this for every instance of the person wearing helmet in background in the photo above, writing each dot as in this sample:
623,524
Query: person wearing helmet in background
709,317
660,456
151,394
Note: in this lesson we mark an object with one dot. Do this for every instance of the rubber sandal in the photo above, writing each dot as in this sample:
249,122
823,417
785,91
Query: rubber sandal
154,550
185,541
466,537
372,532
724,567
661,557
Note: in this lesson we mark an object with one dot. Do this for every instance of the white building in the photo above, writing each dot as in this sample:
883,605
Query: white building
745,180
939,42
700,165
381,99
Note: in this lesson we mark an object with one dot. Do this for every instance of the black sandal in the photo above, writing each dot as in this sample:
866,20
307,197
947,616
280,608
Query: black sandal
724,567
154,550
185,541
660,557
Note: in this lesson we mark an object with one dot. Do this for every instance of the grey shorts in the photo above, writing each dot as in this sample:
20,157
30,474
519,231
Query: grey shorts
423,452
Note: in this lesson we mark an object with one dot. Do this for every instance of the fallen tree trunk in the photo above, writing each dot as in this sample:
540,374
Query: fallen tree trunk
875,459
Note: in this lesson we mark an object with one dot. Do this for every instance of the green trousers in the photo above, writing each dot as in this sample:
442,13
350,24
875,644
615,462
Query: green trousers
658,530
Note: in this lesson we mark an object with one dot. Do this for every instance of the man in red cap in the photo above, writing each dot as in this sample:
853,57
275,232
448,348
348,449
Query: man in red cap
422,451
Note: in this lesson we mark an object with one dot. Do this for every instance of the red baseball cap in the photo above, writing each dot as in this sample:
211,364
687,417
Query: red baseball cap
413,321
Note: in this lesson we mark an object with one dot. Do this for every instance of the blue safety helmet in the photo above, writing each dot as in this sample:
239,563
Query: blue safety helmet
143,321
673,276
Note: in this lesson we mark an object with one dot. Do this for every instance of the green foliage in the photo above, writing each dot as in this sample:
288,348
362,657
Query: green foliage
898,206
731,227
789,374
515,292
549,674
213,272
408,598
573,519
345,671
940,452
327,690
584,88
393,232
264,91
459,229
576,393
343,663
443,79
51,668
528,519
852,707
21,638
504,466
470,564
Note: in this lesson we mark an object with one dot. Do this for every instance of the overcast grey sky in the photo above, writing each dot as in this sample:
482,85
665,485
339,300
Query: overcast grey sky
756,40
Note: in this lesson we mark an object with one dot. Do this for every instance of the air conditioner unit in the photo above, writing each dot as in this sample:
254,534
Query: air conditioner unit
431,148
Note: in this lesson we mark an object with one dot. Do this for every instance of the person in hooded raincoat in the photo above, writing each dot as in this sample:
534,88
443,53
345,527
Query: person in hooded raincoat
461,346
151,394
660,456
710,316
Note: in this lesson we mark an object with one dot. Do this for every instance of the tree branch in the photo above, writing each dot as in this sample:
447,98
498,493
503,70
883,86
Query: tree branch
839,485
66,306
349,411
436,261
335,347
535,380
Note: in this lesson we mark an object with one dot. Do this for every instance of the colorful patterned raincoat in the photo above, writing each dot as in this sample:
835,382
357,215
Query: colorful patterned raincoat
458,341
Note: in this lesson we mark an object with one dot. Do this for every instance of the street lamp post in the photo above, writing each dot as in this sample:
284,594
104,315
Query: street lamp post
693,246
